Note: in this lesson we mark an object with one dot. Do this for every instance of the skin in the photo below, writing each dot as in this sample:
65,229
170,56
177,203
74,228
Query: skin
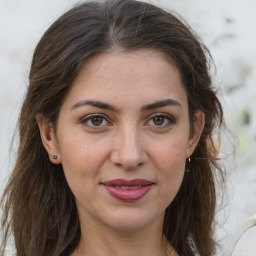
128,141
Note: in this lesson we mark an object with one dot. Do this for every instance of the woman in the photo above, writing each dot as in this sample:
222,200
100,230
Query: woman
116,153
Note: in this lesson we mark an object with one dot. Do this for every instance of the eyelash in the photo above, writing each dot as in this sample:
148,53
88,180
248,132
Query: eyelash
86,119
168,121
167,118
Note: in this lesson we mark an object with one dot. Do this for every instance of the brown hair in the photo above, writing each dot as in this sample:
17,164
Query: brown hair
39,208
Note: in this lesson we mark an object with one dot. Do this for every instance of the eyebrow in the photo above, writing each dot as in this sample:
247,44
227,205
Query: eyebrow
103,105
161,103
94,103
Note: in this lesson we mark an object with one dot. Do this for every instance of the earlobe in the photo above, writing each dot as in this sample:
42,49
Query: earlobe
198,126
48,138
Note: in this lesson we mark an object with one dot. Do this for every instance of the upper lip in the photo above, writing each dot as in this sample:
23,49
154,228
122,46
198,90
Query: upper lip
128,183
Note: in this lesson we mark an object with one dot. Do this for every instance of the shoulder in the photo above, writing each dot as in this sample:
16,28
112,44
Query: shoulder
246,245
243,243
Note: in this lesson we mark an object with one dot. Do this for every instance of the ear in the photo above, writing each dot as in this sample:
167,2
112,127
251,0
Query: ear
198,126
48,138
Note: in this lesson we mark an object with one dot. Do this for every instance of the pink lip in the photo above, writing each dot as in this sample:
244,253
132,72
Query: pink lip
128,194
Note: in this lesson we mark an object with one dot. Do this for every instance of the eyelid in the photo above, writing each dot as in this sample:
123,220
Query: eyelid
86,118
171,121
170,118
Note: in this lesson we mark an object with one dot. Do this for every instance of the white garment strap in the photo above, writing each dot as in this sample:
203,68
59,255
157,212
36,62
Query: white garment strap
248,224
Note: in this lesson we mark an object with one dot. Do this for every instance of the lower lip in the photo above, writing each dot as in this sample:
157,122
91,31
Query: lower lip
128,195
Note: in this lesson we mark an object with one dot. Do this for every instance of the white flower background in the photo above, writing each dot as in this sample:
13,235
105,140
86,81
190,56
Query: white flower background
227,27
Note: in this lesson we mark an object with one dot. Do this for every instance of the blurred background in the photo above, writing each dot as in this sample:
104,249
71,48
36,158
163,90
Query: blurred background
227,27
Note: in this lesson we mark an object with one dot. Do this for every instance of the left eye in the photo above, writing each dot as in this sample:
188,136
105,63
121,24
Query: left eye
161,120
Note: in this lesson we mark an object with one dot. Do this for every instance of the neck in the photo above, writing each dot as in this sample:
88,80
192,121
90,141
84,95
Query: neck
109,242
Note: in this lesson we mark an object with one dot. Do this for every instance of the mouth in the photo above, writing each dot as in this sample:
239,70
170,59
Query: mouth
128,190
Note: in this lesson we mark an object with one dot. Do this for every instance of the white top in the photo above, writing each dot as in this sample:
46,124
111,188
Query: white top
244,241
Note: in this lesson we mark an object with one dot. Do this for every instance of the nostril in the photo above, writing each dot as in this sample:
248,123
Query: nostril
118,165
128,153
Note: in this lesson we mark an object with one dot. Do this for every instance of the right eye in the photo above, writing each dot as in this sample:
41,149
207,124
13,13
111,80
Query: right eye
95,121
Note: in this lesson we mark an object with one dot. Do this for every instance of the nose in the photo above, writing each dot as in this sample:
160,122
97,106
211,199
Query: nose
128,148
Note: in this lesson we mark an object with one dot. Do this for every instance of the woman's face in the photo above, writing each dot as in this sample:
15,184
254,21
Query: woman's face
122,137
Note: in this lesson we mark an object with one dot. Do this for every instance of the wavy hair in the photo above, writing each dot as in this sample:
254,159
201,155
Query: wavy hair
39,208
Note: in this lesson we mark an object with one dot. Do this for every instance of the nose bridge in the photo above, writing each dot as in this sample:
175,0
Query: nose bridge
129,138
129,149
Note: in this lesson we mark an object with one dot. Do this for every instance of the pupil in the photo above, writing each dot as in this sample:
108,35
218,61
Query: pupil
158,120
97,120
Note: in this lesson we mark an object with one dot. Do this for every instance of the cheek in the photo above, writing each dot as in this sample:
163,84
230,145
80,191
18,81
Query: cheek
172,156
81,164
80,156
173,171
170,164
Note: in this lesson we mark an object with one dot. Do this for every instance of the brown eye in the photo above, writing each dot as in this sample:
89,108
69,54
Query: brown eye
161,121
96,120
158,120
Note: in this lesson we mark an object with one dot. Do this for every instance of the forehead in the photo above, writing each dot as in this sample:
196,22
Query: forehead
151,57
140,75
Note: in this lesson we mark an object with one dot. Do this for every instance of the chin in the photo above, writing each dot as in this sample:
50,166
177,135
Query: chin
132,220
